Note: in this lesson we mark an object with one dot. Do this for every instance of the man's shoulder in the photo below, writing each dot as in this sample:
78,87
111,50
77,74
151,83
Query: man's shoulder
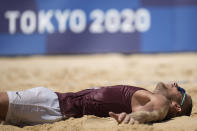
156,98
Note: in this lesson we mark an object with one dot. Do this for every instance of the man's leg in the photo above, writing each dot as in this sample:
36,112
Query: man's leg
33,106
4,103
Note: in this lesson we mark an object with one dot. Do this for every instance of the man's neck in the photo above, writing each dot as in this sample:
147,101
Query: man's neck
161,91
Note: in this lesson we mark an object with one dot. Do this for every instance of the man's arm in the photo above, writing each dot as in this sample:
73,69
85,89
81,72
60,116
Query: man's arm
145,114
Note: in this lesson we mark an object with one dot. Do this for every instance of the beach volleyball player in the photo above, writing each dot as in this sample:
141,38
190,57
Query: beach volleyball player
126,104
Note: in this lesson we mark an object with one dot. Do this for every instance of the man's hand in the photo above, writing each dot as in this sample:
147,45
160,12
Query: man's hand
123,117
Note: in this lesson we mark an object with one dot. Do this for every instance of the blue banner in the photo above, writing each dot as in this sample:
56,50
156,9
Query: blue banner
72,26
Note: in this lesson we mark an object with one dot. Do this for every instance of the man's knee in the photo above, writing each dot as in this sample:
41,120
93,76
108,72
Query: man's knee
4,103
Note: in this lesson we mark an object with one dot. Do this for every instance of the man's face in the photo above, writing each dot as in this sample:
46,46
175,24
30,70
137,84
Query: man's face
176,98
173,92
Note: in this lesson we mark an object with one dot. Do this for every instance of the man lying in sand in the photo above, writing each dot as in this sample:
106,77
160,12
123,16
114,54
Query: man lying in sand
126,104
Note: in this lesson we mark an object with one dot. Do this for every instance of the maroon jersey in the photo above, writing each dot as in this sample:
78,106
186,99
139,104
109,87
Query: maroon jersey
97,101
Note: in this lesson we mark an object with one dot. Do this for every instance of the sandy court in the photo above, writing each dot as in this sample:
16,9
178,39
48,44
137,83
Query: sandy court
73,73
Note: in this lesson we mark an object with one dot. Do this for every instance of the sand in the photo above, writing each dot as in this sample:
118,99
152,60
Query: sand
77,72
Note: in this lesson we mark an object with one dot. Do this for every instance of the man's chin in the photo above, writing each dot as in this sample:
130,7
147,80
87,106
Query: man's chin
161,85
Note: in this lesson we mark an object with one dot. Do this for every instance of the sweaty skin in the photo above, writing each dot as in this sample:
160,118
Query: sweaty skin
146,107
150,107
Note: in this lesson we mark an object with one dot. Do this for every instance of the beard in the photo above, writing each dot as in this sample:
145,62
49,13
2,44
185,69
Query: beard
160,88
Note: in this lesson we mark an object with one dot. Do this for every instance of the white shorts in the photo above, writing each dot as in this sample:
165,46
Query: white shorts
33,106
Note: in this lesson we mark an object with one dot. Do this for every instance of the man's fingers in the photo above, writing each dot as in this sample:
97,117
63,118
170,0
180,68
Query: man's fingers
122,116
114,115
127,119
131,121
118,117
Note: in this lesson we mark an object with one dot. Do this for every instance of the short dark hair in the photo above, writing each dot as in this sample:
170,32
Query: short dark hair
186,109
187,106
190,105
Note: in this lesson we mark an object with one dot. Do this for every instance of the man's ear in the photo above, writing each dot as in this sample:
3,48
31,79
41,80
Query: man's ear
178,107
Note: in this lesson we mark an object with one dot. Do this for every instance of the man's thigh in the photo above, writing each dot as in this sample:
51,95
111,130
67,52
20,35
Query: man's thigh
33,106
